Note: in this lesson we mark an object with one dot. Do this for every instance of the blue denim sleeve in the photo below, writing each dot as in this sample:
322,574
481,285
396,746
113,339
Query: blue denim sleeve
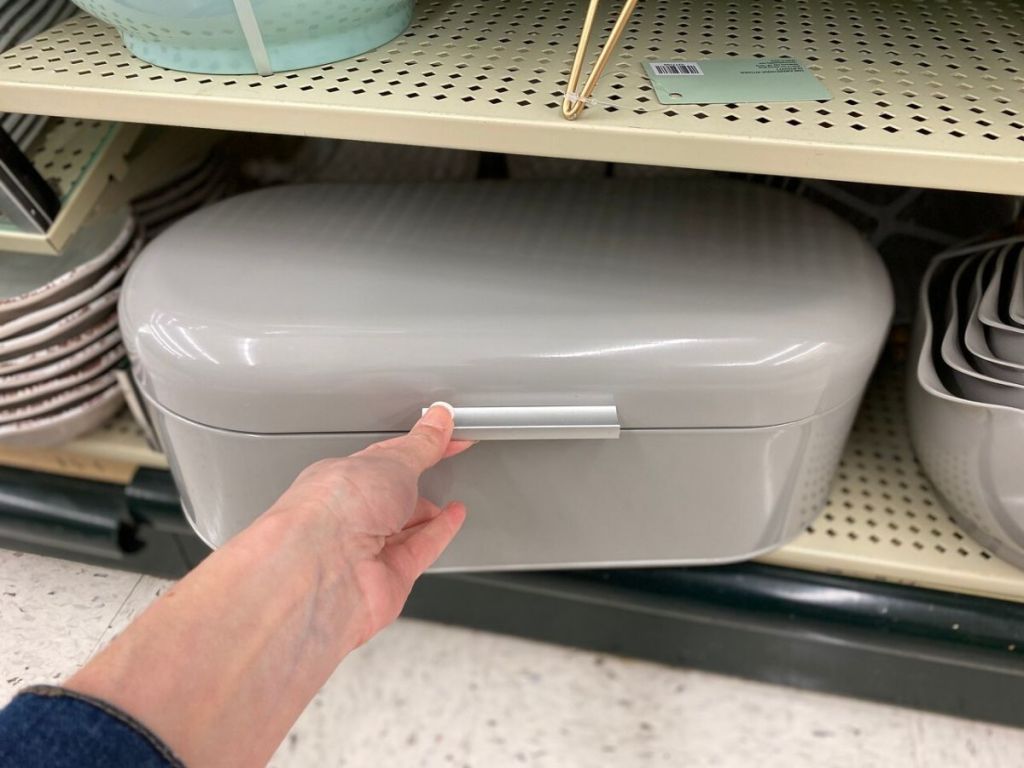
53,727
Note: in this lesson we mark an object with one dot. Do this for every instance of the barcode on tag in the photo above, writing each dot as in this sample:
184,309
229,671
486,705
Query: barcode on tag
677,68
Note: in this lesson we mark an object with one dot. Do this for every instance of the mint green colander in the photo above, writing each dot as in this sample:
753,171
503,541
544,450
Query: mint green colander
229,37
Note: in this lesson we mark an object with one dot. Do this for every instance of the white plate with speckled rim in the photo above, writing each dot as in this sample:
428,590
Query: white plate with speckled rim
204,183
61,349
63,426
62,328
57,402
57,384
29,281
32,320
61,366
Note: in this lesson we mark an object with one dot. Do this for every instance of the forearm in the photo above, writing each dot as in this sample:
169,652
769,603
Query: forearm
266,623
222,665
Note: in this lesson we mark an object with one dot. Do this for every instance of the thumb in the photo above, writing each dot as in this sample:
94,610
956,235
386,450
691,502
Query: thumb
427,442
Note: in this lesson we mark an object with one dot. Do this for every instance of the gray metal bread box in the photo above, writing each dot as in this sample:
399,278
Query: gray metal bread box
660,372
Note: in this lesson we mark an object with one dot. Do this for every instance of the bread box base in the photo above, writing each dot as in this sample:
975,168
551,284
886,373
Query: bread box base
655,497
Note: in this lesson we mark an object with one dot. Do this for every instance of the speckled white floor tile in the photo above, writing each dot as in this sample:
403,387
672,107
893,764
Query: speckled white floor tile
946,741
52,616
145,591
427,696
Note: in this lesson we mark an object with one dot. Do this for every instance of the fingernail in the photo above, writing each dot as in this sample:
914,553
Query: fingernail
436,416
447,406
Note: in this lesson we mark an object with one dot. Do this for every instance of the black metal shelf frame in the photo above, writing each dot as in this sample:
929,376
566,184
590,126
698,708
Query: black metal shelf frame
939,651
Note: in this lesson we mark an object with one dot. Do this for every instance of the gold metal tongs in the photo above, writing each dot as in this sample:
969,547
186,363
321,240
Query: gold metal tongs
575,101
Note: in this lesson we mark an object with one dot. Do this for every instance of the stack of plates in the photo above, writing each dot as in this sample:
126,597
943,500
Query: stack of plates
59,341
202,183
966,390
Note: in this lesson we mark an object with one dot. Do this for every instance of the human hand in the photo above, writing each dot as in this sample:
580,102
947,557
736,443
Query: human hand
221,666
384,533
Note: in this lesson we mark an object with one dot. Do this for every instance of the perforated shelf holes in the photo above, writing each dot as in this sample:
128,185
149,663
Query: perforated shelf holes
925,93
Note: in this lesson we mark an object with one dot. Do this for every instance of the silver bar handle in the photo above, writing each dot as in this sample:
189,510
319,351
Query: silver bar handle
537,422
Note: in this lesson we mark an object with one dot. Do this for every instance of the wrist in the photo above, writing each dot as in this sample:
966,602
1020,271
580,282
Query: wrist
306,540
278,593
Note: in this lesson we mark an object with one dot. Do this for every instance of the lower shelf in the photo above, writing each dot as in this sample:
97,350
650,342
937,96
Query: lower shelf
883,521
111,454
911,647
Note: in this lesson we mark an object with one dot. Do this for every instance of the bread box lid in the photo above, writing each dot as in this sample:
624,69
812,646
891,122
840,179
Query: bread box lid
347,308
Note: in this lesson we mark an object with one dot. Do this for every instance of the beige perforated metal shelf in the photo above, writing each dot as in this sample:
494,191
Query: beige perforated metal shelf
111,454
882,522
926,93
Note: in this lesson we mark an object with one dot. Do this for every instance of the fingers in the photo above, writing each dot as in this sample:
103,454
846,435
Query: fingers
415,549
426,443
455,447
425,510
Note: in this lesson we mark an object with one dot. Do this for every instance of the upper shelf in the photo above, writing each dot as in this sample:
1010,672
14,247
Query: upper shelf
926,93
